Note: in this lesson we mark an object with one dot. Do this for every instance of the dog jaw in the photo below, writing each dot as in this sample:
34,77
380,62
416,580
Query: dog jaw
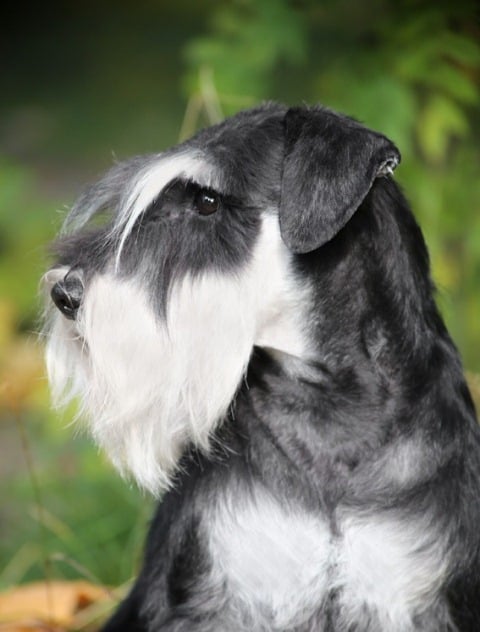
150,386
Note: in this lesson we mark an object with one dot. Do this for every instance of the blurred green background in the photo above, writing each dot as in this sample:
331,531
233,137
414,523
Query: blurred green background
86,83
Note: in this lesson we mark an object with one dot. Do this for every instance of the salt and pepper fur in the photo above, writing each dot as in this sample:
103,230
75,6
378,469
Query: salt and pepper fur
277,373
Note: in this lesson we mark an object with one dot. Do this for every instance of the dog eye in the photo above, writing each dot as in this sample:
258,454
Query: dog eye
206,202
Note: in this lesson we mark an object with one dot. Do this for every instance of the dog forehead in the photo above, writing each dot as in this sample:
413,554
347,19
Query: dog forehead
243,130
247,150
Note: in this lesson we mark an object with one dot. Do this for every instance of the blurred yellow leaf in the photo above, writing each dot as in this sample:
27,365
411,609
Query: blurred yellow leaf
21,373
8,316
50,606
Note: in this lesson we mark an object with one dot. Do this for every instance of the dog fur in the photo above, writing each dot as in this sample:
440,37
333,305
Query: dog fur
248,321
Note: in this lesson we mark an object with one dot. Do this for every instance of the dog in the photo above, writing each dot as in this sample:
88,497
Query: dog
248,321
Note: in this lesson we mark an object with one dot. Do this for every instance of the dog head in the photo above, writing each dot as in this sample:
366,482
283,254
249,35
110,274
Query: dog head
174,266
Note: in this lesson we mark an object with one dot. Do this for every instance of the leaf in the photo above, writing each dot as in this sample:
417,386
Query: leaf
440,60
448,79
58,604
462,49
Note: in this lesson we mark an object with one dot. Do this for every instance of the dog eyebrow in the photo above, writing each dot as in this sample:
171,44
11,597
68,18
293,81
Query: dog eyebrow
186,183
187,186
152,181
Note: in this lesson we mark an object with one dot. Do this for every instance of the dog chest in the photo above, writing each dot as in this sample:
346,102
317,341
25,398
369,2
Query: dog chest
273,561
283,564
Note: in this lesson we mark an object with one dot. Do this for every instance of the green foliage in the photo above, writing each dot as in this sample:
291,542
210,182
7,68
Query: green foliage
121,82
23,235
84,522
249,39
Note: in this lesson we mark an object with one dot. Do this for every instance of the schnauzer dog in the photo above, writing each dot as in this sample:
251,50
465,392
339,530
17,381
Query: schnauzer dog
248,321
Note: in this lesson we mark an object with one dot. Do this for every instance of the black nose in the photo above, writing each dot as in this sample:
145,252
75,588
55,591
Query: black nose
67,294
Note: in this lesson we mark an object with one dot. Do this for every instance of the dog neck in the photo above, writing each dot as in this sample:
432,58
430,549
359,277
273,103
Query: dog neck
378,342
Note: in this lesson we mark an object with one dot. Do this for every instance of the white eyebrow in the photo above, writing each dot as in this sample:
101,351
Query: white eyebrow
151,181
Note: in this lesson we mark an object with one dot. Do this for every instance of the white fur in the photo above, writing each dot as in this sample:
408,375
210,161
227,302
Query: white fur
393,568
148,386
281,562
276,560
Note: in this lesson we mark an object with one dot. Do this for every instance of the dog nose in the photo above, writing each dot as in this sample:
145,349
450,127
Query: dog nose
67,294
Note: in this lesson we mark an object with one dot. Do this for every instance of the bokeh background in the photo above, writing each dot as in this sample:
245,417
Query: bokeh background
84,84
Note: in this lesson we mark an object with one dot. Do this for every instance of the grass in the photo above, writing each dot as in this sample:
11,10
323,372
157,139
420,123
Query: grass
67,514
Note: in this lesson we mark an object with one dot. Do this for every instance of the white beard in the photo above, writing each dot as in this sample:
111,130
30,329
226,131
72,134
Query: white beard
148,386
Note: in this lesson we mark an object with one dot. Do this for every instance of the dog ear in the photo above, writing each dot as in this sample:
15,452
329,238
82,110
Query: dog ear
329,166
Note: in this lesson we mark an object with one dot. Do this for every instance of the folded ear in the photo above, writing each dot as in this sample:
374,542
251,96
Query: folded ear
329,166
